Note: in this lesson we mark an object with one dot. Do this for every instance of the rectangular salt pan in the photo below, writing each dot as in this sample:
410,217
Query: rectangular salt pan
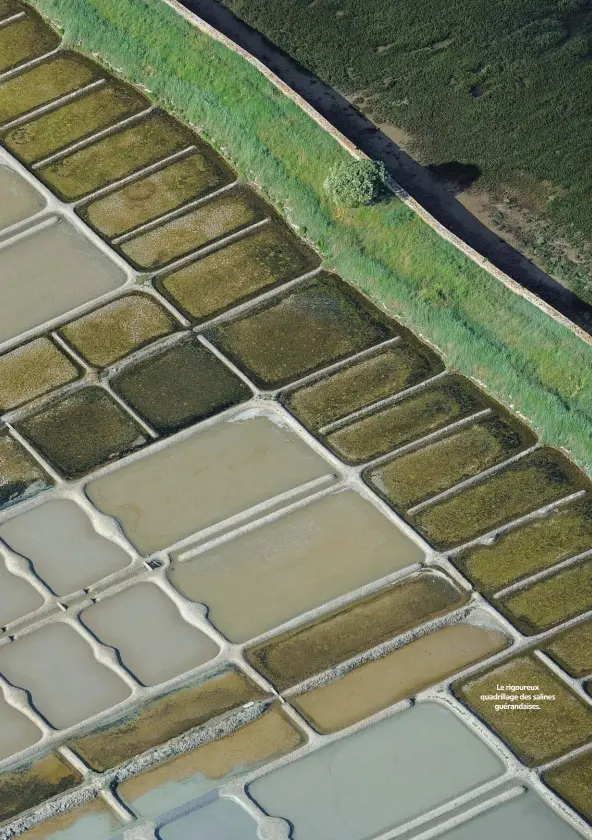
91,821
379,778
228,467
47,274
65,564
526,817
154,642
59,669
224,819
18,198
279,570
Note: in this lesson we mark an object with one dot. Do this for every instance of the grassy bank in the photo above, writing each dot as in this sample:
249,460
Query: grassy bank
494,84
523,357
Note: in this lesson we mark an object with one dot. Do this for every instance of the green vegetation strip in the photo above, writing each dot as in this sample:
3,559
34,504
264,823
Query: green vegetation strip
487,88
521,355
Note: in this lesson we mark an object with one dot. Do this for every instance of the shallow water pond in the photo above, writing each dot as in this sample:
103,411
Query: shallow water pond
36,277
145,626
224,819
57,666
18,597
273,573
91,821
527,817
379,778
66,565
18,198
17,732
229,467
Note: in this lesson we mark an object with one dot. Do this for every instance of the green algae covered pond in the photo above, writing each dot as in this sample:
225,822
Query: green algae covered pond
116,156
312,327
531,483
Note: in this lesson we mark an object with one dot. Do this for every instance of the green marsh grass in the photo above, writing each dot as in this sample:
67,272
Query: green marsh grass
523,357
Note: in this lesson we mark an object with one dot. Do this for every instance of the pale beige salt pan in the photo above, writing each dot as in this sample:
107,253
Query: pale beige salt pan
48,273
65,564
18,199
279,570
204,479
57,666
147,629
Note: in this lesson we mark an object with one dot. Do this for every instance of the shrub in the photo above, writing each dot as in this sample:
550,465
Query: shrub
356,182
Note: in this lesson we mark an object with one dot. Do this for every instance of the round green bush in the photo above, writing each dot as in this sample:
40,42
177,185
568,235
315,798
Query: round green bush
356,182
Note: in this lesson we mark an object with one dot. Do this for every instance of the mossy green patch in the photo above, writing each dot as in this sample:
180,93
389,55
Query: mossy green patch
108,334
57,76
74,121
33,783
25,39
9,8
362,383
240,271
531,483
549,602
158,193
572,650
536,735
112,332
180,386
206,224
82,431
573,782
530,548
32,370
412,478
411,418
302,331
292,657
116,156
20,475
